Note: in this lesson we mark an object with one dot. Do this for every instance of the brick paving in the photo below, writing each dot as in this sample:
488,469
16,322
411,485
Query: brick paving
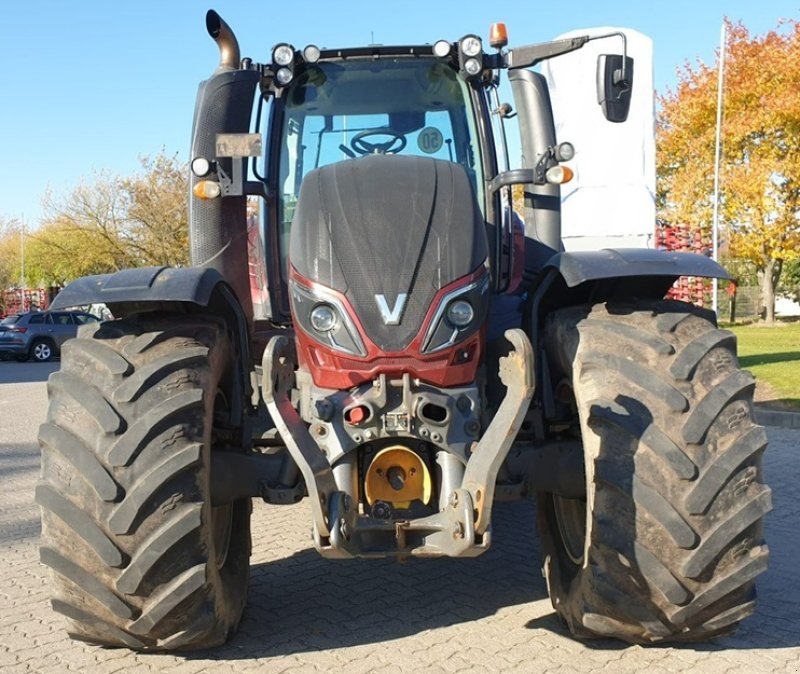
306,614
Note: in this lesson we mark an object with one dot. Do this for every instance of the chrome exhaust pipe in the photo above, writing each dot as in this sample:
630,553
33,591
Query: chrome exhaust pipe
222,34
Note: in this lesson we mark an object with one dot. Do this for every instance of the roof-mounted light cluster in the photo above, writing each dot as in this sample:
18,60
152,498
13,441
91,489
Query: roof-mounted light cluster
283,63
285,58
470,56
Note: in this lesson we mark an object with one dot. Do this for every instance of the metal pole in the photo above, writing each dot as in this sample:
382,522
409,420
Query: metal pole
22,261
717,153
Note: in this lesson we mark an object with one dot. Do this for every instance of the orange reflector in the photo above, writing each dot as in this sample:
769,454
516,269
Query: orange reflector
207,189
558,175
498,35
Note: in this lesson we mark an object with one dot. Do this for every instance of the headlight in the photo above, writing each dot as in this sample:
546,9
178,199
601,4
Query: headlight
311,53
322,315
283,55
471,45
201,167
441,48
472,67
323,318
284,76
565,151
460,313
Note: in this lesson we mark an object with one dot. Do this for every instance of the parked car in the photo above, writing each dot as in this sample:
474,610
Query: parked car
39,334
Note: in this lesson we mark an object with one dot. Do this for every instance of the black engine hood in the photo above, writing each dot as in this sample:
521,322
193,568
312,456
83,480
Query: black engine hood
388,232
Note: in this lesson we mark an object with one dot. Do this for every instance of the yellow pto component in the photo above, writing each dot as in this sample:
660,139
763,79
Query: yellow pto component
398,476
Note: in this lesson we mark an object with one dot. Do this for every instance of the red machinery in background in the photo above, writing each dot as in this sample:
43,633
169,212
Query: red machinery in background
686,239
20,300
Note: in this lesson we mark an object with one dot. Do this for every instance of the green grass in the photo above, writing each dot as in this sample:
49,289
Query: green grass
772,354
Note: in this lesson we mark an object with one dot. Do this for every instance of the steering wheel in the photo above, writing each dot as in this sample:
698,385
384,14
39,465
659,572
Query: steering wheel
397,141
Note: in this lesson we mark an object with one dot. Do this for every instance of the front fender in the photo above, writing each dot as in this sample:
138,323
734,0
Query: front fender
145,284
595,276
592,277
591,265
195,289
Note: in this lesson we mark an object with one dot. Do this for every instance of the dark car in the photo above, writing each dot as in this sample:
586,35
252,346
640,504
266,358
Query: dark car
40,334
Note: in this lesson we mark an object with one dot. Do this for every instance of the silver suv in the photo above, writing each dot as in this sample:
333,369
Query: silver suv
39,334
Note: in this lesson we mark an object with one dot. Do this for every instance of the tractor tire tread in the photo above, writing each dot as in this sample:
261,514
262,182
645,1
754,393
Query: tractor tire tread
125,490
676,497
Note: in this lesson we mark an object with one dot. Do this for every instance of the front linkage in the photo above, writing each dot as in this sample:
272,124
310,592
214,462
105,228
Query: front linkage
460,528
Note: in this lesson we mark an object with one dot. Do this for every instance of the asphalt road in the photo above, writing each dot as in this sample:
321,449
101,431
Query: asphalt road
305,614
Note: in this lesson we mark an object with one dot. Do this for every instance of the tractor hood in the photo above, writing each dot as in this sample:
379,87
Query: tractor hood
388,232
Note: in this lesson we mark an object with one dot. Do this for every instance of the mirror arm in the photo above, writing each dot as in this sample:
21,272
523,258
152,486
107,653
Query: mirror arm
524,176
520,176
530,55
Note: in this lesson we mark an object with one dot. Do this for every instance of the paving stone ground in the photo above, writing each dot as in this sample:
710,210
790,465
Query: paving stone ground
306,614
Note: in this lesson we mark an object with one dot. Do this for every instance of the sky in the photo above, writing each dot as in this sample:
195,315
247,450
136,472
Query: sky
89,86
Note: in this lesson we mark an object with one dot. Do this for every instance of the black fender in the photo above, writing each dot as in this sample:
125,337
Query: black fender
599,275
179,290
623,263
589,277
142,285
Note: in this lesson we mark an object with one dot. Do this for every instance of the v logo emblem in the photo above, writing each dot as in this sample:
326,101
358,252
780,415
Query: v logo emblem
391,317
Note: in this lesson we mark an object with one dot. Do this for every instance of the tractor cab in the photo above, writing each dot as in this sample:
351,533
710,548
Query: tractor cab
369,114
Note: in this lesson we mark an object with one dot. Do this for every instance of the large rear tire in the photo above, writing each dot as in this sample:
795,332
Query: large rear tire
668,542
140,558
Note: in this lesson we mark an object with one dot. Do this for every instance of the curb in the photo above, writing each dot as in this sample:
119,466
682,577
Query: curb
767,417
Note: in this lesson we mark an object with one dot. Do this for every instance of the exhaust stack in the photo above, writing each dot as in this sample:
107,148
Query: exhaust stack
222,34
218,228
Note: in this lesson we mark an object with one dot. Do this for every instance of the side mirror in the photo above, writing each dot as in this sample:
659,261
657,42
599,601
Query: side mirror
614,86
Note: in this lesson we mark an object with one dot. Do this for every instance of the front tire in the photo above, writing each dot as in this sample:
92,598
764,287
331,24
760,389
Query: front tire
140,558
668,542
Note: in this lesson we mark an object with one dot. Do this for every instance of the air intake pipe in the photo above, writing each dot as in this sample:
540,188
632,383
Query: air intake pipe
218,227
542,202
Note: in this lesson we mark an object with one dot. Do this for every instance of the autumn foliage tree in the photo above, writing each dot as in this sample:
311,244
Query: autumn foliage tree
109,223
760,164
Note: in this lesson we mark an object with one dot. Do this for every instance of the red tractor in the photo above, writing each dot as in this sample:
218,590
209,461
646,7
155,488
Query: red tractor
421,352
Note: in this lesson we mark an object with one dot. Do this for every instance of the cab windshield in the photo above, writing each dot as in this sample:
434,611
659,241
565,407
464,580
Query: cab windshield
340,111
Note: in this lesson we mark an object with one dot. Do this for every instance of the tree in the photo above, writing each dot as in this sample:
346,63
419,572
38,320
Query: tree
10,231
113,223
760,167
94,214
158,211
59,252
791,280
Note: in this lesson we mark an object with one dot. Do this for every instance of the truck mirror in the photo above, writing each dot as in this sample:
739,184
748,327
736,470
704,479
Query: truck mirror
614,86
